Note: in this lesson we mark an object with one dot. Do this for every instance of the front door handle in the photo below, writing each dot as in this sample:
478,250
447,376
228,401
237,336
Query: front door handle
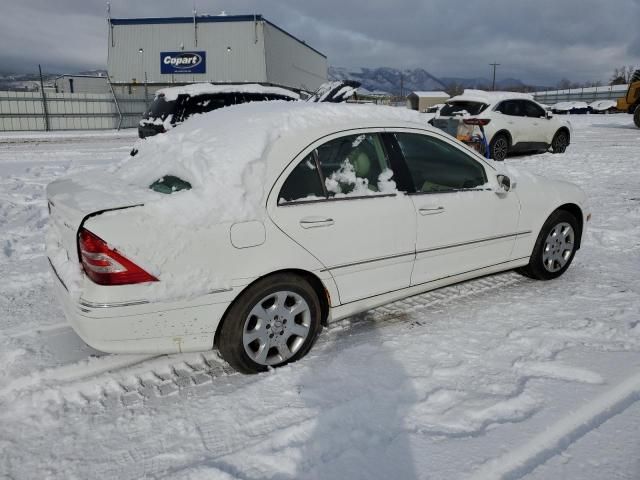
431,210
316,222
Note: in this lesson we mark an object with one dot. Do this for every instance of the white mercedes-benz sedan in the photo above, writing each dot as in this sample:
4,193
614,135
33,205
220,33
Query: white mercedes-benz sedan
251,227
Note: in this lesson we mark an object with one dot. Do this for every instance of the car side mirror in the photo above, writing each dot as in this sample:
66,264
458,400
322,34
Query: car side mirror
548,115
504,183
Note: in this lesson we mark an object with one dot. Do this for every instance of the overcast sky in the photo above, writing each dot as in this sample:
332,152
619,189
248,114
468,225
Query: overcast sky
537,41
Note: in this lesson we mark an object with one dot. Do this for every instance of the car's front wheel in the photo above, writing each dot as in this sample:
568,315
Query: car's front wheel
636,116
560,141
274,322
555,247
499,147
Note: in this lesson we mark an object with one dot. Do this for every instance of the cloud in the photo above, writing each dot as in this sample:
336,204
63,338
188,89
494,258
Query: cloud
538,42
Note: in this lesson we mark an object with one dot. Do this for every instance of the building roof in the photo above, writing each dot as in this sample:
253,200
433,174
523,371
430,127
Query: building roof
433,94
206,19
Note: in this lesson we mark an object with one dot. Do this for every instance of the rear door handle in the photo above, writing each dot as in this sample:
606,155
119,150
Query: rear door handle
431,210
316,222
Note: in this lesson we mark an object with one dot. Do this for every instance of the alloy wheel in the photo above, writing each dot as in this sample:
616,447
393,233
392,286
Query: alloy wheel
558,247
276,328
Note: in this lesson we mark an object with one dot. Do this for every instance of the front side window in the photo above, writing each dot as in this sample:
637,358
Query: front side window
436,166
350,166
533,110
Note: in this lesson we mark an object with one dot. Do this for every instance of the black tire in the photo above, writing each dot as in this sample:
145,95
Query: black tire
230,339
499,147
636,116
560,141
536,268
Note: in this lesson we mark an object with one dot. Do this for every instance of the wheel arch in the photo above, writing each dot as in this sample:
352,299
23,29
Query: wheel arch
506,133
316,283
565,129
576,211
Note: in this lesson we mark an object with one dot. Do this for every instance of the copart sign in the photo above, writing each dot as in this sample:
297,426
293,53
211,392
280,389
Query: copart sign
183,62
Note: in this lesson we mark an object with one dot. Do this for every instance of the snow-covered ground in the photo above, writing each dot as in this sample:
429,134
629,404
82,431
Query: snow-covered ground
500,377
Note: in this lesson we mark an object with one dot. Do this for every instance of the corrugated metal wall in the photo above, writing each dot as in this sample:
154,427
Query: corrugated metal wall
69,111
291,63
81,84
238,50
244,62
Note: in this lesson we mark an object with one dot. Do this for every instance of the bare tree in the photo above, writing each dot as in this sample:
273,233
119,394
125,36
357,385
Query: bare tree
454,88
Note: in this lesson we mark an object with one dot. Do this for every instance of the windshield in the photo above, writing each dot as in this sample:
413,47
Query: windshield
160,108
451,108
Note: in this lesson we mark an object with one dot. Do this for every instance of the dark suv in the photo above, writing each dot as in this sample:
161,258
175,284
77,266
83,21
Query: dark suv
174,105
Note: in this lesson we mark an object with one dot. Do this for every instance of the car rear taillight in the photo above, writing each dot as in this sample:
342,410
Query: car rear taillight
105,266
477,121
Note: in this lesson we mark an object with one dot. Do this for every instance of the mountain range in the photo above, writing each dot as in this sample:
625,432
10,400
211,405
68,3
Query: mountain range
392,80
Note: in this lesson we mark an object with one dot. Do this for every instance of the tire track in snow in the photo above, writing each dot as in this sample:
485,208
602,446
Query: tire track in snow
114,380
552,441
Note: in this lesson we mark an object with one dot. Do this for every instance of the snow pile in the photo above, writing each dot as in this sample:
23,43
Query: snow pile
569,106
223,155
602,105
172,93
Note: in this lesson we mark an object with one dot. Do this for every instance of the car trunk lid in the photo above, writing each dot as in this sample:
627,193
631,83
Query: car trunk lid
71,201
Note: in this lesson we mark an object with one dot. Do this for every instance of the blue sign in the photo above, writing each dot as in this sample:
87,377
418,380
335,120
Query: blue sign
183,62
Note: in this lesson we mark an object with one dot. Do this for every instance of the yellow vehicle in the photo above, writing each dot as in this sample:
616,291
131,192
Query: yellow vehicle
630,103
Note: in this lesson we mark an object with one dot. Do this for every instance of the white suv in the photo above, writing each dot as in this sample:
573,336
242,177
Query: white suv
512,122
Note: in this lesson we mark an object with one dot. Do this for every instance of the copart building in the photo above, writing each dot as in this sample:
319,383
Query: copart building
152,53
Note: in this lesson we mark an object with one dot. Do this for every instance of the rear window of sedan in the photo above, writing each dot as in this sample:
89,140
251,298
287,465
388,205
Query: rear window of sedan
472,108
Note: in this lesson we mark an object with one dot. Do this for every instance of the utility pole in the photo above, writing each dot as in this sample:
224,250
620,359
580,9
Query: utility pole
493,85
401,85
45,109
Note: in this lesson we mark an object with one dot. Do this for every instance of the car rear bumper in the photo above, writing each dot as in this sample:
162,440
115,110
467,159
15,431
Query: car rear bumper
142,327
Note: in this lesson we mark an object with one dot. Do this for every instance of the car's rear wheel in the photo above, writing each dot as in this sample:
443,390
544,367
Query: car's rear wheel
274,322
560,141
499,147
636,116
555,247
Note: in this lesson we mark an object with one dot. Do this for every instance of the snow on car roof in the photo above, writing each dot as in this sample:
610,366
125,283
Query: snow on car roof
223,154
171,93
489,98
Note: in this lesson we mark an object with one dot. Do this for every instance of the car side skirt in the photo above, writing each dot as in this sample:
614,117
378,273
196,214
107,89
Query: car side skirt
348,309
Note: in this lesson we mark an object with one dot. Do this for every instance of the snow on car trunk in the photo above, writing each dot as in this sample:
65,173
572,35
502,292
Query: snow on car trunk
71,201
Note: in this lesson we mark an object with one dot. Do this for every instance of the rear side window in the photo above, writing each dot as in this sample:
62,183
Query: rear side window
436,166
350,166
472,108
355,164
303,183
513,108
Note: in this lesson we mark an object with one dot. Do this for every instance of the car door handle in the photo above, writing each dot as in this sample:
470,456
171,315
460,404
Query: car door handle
431,210
316,222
